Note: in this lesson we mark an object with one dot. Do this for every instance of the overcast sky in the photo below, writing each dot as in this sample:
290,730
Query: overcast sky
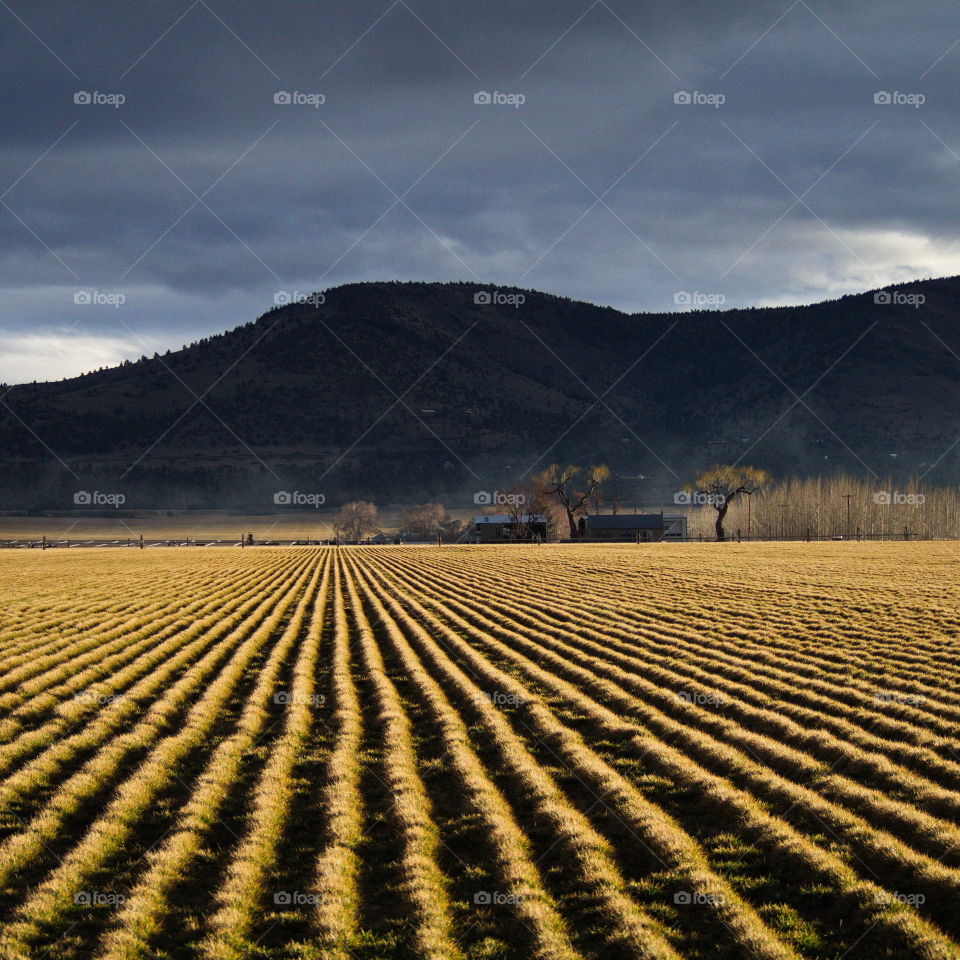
181,198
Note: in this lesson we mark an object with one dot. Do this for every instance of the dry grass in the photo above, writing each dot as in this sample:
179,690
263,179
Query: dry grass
658,751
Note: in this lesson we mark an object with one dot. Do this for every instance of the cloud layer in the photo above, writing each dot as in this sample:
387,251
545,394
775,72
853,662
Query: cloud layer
774,153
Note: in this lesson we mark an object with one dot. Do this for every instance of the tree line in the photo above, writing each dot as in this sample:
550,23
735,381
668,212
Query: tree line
723,502
838,506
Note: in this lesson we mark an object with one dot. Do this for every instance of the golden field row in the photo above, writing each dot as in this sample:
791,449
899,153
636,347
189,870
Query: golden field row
660,751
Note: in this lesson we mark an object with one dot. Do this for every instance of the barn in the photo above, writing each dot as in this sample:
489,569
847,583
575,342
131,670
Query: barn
635,527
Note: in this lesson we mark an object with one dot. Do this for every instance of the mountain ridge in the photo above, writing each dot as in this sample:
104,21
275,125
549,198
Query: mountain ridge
405,390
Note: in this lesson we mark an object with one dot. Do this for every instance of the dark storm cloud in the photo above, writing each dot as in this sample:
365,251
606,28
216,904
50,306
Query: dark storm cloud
199,197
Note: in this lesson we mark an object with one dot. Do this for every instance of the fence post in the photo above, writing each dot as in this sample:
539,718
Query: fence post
858,534
808,534
44,546
738,535
141,541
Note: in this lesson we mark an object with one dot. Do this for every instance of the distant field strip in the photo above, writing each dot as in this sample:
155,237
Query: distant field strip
468,753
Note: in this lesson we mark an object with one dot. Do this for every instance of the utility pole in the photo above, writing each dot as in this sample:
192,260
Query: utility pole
749,505
847,496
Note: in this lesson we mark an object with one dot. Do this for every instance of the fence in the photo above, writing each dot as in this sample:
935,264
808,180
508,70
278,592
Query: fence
43,543
813,536
736,536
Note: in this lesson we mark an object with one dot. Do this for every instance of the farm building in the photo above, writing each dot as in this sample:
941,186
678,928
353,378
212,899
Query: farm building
501,526
633,527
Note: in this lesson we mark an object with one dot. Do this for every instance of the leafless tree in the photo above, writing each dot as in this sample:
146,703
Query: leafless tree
425,520
527,504
356,520
559,482
721,485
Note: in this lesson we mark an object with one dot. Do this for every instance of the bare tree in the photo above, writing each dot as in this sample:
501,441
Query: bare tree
559,482
356,520
527,504
721,485
425,520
